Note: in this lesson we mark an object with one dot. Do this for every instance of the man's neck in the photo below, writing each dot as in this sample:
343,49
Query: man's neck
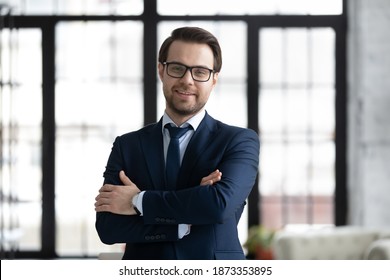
180,119
193,120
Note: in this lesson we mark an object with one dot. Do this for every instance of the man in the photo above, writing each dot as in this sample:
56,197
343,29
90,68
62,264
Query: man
192,215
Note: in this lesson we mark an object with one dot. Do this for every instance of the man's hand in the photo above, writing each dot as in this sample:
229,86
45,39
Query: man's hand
211,179
117,199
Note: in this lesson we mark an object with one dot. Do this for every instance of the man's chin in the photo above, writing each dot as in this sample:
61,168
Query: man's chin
185,113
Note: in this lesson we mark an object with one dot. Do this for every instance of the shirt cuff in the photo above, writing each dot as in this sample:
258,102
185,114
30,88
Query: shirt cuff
137,202
184,230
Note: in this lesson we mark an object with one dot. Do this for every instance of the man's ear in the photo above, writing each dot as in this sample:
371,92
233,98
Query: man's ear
160,68
215,78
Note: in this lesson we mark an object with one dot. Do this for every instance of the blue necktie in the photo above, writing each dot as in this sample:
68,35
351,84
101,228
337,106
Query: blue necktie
172,165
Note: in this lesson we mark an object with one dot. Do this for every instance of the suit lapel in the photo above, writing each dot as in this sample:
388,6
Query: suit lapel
199,142
152,146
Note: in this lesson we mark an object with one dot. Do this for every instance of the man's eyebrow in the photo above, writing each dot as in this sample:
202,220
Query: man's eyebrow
201,66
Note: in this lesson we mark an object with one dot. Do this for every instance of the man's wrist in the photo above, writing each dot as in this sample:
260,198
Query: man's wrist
137,203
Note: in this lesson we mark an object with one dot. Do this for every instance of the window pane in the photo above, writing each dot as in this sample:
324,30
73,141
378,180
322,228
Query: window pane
273,207
76,7
322,67
99,95
99,50
272,57
297,122
250,7
323,209
297,210
296,56
20,120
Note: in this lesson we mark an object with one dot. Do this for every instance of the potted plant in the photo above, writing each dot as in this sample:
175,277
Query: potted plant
259,242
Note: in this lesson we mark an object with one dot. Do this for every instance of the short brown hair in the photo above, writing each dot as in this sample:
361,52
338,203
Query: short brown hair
196,35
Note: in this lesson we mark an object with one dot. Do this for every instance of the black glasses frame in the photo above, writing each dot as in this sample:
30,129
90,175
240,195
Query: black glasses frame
188,68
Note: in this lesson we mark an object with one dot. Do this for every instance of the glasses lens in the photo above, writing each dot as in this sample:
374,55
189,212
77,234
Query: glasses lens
176,70
200,74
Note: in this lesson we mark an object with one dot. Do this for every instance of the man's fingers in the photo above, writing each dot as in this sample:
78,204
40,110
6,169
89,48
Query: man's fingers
107,188
116,198
102,208
125,180
212,178
100,202
215,176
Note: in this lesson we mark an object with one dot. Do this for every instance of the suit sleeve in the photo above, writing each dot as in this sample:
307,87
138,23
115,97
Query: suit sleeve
114,228
238,161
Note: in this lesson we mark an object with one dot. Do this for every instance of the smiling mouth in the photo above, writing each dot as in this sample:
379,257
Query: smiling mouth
184,92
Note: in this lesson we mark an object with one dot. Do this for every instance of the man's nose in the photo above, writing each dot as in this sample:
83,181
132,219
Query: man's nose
188,77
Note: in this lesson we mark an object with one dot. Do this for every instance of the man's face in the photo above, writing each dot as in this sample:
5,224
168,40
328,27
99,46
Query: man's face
184,96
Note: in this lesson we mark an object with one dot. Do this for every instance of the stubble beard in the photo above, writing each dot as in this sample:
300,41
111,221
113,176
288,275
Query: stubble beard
182,109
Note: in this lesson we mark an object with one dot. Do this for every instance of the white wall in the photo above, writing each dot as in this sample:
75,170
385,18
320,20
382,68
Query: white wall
369,112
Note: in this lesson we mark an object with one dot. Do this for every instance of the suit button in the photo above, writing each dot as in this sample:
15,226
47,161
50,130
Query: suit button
147,237
158,237
157,220
152,237
162,220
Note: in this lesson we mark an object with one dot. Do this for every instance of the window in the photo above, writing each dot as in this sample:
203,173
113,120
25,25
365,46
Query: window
297,126
20,136
75,7
98,97
250,7
91,75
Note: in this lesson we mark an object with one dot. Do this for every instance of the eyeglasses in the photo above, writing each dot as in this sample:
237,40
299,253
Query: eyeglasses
178,70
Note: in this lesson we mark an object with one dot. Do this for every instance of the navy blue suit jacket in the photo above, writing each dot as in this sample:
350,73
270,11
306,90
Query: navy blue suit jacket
213,211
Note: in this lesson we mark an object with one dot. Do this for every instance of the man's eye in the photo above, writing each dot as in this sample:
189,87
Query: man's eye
200,72
177,68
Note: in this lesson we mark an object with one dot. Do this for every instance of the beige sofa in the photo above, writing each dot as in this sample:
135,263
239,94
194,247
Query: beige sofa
336,243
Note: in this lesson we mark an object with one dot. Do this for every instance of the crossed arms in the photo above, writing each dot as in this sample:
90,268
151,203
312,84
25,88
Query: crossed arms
118,199
216,198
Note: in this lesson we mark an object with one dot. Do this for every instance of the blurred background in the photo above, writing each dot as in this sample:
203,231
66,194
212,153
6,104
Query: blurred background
311,77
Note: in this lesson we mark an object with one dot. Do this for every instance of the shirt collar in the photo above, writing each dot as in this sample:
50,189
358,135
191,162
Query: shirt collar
193,121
